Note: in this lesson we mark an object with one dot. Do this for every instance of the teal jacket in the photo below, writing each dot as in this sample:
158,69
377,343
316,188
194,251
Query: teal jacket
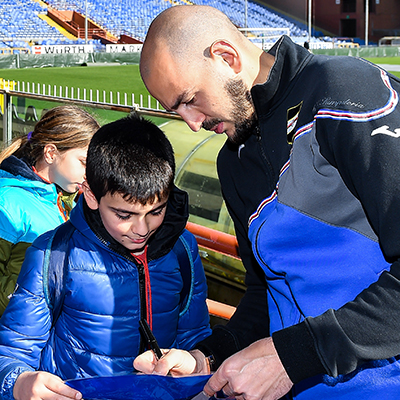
28,208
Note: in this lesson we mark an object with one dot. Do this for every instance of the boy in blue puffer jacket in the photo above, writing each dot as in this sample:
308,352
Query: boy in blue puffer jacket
120,268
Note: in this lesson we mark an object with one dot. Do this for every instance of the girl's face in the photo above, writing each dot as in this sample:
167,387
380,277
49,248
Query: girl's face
68,169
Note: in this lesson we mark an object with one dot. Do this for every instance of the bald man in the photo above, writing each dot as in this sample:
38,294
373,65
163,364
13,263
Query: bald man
311,178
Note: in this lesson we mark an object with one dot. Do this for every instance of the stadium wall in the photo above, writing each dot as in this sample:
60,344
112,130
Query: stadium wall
65,60
13,61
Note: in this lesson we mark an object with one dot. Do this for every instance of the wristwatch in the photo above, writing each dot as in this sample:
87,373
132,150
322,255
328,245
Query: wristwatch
210,360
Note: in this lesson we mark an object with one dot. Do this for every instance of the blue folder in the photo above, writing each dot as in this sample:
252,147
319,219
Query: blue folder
139,387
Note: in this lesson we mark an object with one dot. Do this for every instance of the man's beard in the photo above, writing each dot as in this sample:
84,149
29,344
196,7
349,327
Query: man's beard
243,113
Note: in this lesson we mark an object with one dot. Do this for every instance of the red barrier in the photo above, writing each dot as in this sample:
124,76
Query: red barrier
223,243
220,309
215,240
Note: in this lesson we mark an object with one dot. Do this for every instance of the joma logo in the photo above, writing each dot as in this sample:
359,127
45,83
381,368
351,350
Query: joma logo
384,130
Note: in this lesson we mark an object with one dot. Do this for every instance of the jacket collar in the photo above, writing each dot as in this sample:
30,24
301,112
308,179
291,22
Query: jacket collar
20,167
290,58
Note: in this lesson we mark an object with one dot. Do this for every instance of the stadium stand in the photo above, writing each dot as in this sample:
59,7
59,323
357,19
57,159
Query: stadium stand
21,26
20,23
23,23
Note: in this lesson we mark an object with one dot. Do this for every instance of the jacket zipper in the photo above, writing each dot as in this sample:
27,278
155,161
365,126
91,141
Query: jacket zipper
142,294
142,287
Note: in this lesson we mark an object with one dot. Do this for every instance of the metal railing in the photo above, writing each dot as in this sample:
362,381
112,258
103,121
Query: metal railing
207,238
93,98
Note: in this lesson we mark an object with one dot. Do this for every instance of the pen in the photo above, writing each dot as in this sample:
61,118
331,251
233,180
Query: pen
150,338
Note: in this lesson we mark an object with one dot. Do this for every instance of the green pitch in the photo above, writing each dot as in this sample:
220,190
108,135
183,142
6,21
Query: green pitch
385,60
115,78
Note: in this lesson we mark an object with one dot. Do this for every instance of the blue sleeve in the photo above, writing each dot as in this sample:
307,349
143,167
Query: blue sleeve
25,324
364,147
194,320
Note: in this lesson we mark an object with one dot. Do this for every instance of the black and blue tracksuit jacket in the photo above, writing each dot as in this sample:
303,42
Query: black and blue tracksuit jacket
315,197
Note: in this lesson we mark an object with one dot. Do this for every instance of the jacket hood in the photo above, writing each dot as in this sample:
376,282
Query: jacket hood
19,167
173,225
89,223
15,172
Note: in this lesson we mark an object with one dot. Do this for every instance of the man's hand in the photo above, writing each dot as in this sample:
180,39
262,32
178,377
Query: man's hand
176,362
254,373
43,386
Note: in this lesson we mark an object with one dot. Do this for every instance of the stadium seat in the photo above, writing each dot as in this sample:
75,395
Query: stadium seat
20,20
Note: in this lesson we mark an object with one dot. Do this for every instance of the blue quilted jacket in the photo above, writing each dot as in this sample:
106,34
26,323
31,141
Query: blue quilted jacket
97,332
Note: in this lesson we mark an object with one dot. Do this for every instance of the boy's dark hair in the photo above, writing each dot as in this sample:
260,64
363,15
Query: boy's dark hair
133,157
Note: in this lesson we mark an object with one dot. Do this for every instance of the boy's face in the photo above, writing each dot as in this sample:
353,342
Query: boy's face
130,224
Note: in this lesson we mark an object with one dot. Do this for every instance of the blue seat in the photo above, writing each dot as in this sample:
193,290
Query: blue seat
128,16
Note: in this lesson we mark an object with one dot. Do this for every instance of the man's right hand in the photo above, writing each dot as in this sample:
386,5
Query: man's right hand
41,385
254,373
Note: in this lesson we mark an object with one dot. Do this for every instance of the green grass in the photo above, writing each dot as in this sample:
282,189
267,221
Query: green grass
115,78
385,60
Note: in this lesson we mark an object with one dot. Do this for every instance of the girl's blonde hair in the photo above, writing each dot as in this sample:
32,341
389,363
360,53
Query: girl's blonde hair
67,127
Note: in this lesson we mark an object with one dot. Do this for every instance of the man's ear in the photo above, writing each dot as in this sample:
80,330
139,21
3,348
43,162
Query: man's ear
228,52
49,153
90,198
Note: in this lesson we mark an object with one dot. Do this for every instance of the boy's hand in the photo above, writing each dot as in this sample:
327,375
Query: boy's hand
43,386
175,362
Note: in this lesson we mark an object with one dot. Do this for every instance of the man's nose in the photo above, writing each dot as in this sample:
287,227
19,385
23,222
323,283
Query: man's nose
193,119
